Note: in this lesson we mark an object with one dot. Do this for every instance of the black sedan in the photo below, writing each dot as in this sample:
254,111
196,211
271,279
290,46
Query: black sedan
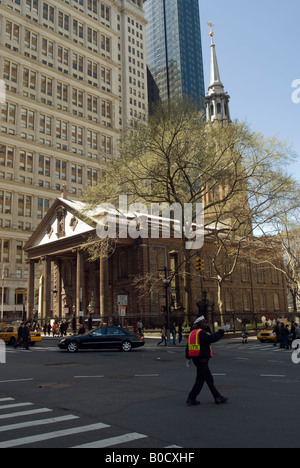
103,338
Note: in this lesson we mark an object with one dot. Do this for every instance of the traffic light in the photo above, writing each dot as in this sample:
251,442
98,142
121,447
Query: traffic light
199,264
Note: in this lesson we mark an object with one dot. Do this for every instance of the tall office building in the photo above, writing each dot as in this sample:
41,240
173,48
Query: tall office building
174,50
75,74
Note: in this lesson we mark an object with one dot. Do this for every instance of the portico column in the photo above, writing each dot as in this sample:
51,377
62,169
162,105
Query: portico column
58,290
47,292
30,290
79,282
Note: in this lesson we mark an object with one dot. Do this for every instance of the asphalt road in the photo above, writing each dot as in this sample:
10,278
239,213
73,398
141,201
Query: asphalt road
52,399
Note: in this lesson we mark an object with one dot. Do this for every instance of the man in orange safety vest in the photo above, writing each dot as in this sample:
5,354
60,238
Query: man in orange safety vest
199,351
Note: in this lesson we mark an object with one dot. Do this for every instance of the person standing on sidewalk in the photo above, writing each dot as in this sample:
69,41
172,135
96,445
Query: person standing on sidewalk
199,351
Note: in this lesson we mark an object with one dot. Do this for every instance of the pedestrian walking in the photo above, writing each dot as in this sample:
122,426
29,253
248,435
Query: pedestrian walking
163,336
286,337
179,333
174,333
199,351
277,332
19,341
26,336
140,326
293,331
244,334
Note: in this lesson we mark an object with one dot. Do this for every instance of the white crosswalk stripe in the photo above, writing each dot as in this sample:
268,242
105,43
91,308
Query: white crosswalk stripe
253,347
40,422
113,441
51,435
101,435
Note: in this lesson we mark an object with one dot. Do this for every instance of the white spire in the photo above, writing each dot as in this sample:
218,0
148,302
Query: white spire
216,100
215,80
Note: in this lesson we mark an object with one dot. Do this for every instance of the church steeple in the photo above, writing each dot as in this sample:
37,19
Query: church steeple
216,101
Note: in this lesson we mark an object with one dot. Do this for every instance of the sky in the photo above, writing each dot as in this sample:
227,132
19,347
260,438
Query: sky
258,49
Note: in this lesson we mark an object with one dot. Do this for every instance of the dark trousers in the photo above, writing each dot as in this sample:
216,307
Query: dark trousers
26,343
203,375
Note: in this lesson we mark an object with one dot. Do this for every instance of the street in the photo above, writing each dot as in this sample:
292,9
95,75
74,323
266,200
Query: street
52,399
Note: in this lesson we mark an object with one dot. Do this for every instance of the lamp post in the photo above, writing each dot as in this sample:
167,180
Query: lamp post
74,324
166,283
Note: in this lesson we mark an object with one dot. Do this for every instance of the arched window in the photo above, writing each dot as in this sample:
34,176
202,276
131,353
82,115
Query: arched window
247,301
276,302
244,272
160,261
229,302
123,265
207,267
263,302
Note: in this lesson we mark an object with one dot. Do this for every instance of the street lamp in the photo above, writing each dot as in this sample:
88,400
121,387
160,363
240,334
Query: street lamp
74,324
166,283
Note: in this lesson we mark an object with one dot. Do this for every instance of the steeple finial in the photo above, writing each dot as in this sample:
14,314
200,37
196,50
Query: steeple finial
211,25
215,79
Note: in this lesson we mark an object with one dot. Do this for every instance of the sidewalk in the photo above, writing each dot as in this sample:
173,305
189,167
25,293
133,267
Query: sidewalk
152,340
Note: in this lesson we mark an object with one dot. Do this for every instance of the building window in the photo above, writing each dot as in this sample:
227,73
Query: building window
43,206
276,302
247,302
228,302
244,272
5,202
123,265
5,251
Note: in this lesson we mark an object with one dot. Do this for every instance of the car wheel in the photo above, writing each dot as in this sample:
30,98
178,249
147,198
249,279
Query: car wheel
126,346
73,347
12,341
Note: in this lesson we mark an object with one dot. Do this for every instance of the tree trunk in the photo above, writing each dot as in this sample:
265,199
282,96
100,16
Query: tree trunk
220,301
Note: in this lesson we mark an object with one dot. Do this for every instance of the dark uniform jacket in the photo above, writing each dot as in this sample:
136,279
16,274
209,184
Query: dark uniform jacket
206,339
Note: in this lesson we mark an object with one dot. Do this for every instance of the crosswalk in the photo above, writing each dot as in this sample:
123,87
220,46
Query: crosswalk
23,427
254,347
38,349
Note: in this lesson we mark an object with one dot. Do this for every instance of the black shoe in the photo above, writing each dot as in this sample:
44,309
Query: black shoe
190,402
221,400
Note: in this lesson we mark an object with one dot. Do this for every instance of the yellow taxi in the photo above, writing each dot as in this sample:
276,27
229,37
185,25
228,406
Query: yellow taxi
9,334
266,336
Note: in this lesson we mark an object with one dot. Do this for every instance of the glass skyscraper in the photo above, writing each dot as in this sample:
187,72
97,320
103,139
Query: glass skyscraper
174,50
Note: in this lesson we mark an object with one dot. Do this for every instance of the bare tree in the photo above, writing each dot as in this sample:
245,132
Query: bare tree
177,157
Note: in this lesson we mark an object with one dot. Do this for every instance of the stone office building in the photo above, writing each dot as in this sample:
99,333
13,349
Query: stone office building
74,75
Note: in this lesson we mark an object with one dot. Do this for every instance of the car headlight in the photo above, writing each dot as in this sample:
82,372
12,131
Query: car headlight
62,341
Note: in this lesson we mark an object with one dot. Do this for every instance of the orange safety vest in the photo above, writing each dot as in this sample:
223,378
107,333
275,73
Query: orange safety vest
194,344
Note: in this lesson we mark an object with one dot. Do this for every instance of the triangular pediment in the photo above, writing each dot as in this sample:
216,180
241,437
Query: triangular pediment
65,220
